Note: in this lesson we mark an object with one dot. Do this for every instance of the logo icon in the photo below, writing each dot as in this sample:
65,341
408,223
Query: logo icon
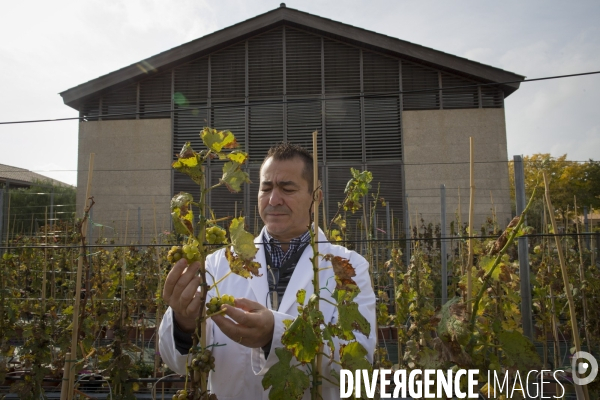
580,368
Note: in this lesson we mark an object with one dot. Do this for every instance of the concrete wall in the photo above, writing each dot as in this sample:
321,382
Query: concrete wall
436,151
131,168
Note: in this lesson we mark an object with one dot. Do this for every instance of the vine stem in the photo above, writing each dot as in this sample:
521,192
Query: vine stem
488,276
201,320
214,285
471,211
582,277
75,333
316,392
565,276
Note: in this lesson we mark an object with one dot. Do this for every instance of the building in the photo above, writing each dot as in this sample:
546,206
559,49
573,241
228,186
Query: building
14,177
403,111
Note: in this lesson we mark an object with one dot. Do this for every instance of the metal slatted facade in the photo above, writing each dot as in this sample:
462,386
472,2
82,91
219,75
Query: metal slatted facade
190,93
284,84
155,95
122,101
464,97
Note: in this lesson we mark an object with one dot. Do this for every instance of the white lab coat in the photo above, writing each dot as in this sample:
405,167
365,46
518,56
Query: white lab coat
239,369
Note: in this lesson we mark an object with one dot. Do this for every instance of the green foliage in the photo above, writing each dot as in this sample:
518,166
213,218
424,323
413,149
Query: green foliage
519,351
307,333
356,189
567,179
483,334
285,380
32,202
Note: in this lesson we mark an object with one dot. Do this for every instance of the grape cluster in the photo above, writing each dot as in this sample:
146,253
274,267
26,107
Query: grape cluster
188,251
203,361
181,395
215,303
215,235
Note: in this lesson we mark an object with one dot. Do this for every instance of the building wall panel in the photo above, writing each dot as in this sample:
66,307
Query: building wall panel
131,169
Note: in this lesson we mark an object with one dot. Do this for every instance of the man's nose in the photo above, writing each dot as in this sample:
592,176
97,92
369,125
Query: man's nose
275,199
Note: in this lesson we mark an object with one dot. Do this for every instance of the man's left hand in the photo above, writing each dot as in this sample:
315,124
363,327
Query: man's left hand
251,323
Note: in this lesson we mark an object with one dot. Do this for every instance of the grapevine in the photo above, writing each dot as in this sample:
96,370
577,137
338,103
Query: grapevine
214,305
203,361
215,235
206,237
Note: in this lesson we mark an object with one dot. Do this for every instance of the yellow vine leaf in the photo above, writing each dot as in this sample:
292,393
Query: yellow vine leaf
181,213
188,163
238,156
241,260
218,140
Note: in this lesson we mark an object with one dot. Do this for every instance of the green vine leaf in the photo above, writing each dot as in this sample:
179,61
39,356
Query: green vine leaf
189,162
353,357
285,381
234,177
349,317
356,189
300,338
453,325
303,336
218,140
519,350
429,359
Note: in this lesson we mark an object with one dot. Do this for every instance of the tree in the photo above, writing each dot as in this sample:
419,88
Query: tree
567,179
28,205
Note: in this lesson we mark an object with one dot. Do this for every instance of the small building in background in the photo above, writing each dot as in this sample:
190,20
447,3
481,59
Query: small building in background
401,110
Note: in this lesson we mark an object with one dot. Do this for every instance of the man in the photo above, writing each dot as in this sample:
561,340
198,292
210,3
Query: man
253,328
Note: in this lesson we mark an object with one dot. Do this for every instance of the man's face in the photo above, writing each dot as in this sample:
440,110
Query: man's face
284,198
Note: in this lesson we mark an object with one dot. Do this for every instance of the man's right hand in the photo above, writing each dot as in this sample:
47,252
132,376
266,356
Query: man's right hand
182,295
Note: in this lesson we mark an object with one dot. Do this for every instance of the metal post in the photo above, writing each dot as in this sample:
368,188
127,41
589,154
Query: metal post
1,216
51,207
139,225
90,240
443,252
406,232
388,228
523,254
586,224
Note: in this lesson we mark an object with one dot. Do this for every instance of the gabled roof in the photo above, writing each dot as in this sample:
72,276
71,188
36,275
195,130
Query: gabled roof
24,178
299,19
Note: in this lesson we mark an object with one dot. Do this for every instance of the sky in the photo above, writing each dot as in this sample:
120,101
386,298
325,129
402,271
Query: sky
49,47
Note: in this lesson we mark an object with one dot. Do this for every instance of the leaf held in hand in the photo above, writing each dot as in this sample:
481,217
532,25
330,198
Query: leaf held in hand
285,381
